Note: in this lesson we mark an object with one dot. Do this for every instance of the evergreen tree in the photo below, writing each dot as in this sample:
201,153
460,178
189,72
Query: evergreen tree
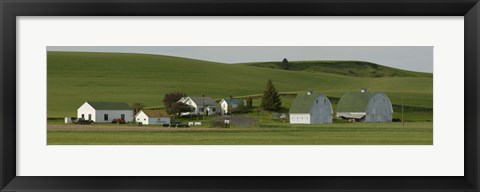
285,64
271,100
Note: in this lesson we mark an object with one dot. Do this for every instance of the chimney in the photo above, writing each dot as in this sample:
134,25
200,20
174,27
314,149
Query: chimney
309,92
363,90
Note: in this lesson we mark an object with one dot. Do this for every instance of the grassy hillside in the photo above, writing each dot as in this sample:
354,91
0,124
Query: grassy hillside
349,68
74,77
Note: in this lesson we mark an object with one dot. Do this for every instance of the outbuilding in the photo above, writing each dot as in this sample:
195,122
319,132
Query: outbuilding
363,106
105,112
232,105
311,108
152,117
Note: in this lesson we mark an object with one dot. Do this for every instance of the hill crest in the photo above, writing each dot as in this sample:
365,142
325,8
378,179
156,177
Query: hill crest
342,67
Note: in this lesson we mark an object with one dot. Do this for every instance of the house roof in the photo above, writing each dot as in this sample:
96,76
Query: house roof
155,113
109,105
303,102
234,101
355,101
203,101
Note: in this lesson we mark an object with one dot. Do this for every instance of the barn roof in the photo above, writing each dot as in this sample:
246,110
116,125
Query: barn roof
155,113
234,101
203,100
109,105
303,102
355,101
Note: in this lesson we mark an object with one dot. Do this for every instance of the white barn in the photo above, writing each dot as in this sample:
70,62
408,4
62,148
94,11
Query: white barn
311,108
201,105
365,106
152,117
105,112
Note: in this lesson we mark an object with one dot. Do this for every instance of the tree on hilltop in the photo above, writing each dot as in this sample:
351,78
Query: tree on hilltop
285,64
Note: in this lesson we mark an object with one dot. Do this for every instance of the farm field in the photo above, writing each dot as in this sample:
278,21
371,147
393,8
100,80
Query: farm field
414,133
75,77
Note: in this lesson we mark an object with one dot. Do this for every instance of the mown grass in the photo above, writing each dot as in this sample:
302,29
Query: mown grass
417,133
74,77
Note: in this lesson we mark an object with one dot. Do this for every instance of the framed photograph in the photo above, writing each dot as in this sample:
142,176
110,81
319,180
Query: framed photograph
245,96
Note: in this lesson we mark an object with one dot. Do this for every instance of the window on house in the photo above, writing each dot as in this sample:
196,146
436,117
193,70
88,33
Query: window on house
138,119
373,99
144,119
83,116
105,117
317,101
324,101
89,116
213,109
122,116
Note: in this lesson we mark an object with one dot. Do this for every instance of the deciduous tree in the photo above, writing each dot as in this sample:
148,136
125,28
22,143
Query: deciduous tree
137,107
170,99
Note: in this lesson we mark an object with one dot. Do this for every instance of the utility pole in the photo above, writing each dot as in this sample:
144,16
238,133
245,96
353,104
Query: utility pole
403,119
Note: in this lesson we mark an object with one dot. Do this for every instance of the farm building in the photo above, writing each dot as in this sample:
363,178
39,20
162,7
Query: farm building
152,117
200,105
103,112
232,105
311,108
365,106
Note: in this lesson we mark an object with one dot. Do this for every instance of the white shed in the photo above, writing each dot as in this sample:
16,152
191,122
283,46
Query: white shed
311,108
152,117
365,106
105,112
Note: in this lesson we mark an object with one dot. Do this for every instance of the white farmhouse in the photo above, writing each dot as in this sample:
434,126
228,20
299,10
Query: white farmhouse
105,112
232,105
365,106
200,105
152,117
311,108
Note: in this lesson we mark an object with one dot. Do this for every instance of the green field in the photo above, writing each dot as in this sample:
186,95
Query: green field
418,133
74,77
348,68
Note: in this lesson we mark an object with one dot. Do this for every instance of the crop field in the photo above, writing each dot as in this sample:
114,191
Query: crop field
75,77
413,133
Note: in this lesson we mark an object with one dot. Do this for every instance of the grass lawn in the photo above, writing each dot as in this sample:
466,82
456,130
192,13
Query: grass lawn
414,133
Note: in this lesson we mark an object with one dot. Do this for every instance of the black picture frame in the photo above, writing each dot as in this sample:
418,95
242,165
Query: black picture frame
10,9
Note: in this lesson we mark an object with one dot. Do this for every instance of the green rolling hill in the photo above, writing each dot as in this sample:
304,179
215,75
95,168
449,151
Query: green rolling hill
74,77
348,68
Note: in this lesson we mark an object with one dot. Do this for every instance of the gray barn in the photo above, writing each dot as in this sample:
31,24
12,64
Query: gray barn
311,108
365,106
